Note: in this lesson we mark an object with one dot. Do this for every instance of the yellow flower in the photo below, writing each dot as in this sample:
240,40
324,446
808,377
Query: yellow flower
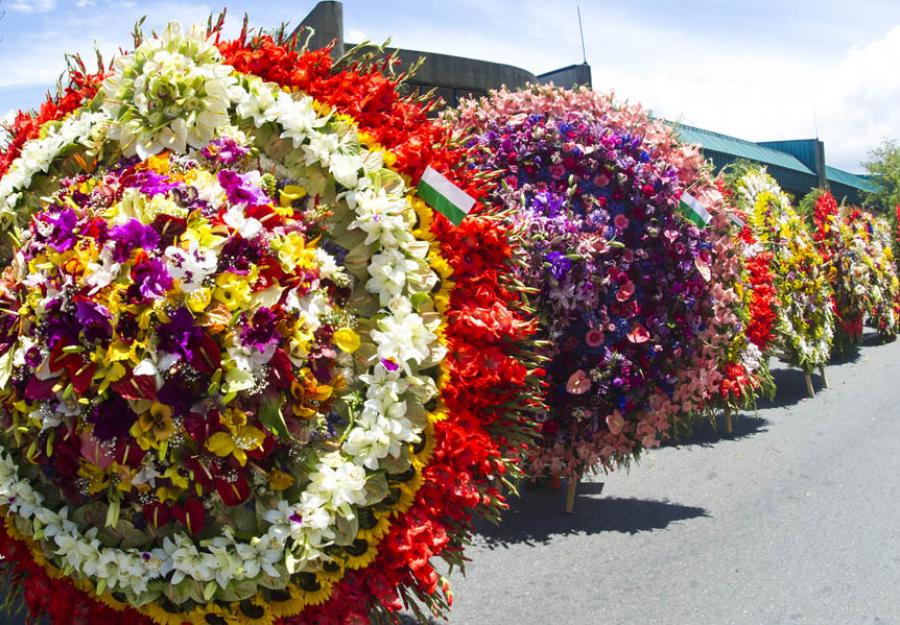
158,163
233,290
279,480
154,426
293,252
290,194
199,299
347,340
97,478
236,443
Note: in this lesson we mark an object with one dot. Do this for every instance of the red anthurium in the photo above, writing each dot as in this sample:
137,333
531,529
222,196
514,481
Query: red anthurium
136,387
157,514
191,515
233,493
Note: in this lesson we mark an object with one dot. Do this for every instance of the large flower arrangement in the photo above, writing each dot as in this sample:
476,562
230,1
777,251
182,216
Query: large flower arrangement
622,281
225,344
844,246
805,324
883,298
734,360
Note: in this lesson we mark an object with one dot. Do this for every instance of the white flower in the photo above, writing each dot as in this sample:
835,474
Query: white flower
388,270
404,338
191,266
381,217
246,227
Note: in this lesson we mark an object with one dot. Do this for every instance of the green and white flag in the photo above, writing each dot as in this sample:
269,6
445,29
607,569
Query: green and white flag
737,221
444,196
694,210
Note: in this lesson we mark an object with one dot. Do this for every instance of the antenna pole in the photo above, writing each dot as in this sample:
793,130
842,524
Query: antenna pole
581,32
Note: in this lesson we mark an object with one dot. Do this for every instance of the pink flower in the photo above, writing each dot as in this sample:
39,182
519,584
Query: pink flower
594,337
628,255
625,291
93,451
557,171
601,180
621,222
638,334
579,383
615,422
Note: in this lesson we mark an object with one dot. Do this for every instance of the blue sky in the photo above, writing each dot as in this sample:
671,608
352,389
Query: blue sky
759,70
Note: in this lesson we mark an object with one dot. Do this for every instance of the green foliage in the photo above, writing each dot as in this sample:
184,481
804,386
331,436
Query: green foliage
884,167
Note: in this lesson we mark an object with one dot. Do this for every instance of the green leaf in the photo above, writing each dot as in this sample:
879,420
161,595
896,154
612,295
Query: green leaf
270,414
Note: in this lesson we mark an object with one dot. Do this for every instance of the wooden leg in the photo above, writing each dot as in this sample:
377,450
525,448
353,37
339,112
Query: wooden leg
570,494
809,386
729,424
824,377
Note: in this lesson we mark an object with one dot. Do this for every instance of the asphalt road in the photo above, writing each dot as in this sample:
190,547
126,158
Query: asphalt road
794,520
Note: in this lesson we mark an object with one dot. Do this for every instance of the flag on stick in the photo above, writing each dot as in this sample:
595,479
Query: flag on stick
444,196
694,211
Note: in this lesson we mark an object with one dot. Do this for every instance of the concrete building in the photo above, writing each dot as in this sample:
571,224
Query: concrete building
452,77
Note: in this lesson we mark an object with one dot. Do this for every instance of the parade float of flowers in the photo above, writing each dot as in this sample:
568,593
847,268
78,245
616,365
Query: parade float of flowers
805,324
865,284
622,281
884,308
738,340
248,376
844,244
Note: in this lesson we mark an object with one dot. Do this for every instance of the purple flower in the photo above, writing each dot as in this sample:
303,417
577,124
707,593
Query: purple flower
151,278
57,228
559,264
225,151
112,418
238,254
130,236
241,189
150,183
93,318
180,334
260,332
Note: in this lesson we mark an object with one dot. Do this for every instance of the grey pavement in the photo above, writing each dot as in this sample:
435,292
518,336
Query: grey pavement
794,520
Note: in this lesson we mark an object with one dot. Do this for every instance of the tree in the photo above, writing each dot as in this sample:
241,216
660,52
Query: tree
884,168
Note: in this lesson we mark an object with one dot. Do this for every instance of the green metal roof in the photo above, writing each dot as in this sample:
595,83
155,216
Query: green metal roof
846,178
740,148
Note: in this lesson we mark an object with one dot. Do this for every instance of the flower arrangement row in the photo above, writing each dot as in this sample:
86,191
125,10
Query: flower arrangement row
247,373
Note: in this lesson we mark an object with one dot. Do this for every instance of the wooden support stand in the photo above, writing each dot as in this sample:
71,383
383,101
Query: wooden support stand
729,423
809,385
824,377
570,494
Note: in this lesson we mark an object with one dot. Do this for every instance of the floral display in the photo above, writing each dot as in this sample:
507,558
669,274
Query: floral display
805,325
241,360
843,244
733,361
858,249
621,280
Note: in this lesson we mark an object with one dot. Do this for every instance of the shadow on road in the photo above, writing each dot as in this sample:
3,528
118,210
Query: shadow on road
706,434
408,619
791,386
537,517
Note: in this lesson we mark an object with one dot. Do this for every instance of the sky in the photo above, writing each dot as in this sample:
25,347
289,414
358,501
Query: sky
761,70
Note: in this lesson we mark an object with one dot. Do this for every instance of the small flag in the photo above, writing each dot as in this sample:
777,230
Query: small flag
444,196
694,210
737,221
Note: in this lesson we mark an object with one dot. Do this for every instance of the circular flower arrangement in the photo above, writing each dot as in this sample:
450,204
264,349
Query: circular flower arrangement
805,324
884,310
620,280
228,396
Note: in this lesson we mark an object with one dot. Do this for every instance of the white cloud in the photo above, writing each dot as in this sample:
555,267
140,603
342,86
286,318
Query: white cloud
32,6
